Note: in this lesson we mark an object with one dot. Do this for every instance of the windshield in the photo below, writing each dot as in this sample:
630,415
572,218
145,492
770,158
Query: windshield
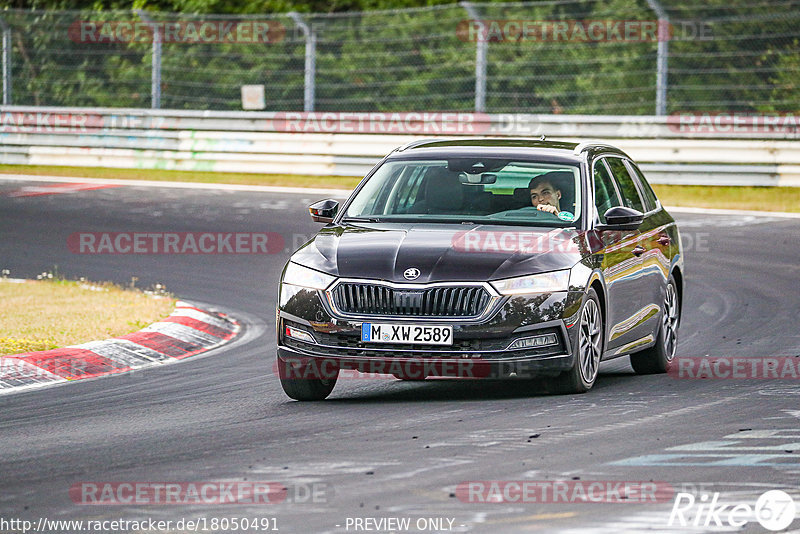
485,190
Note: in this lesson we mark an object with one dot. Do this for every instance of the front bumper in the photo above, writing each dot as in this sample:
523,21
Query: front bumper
480,348
325,366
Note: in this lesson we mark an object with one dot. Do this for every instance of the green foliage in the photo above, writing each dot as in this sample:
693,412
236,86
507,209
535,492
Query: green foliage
734,55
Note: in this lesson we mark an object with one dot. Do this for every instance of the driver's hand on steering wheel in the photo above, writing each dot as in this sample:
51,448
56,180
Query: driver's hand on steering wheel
548,208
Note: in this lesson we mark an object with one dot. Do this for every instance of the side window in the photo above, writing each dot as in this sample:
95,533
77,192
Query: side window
647,192
605,194
630,195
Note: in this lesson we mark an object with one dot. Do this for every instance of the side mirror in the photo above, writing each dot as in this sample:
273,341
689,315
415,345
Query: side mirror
323,211
622,218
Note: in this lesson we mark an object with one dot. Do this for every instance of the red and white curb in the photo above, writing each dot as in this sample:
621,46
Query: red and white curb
187,331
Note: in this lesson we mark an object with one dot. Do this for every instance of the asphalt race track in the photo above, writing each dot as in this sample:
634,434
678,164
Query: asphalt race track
386,448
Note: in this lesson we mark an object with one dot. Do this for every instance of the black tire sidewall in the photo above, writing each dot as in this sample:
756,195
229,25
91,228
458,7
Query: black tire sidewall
305,389
653,360
571,381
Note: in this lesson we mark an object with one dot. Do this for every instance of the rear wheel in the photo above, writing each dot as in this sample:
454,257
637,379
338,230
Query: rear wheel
304,379
656,359
587,351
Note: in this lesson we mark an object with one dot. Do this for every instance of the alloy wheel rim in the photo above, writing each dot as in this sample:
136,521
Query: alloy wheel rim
590,341
670,321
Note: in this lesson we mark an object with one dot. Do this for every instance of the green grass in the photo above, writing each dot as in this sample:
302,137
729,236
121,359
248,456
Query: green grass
746,198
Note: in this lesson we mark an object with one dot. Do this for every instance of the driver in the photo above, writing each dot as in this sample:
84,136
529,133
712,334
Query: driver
544,195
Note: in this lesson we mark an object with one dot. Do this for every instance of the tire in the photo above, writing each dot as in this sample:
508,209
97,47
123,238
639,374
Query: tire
587,351
657,359
301,379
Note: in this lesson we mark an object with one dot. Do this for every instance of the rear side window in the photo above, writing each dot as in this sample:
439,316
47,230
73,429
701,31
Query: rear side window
605,194
647,192
630,194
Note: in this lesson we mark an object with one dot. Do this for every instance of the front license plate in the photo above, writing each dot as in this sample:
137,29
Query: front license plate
407,333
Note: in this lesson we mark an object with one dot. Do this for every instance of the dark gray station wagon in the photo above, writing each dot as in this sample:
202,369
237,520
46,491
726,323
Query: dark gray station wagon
484,258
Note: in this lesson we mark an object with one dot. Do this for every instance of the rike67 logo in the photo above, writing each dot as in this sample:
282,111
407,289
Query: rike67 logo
774,510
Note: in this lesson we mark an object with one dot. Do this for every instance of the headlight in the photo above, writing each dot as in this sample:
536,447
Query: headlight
298,275
535,283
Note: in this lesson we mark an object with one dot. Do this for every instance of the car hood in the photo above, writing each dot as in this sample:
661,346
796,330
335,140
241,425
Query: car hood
441,252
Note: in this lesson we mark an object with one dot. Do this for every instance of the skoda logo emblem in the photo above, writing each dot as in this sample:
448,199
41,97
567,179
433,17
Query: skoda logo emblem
411,274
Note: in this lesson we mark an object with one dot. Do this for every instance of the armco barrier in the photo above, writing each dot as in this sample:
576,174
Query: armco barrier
332,143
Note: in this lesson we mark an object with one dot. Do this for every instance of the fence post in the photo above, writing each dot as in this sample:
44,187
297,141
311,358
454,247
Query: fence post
6,62
480,58
663,56
311,61
155,73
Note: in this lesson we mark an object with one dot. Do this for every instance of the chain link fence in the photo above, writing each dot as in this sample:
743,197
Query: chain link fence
554,56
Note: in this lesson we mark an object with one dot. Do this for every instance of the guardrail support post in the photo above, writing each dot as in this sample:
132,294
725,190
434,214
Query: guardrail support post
480,58
311,61
155,72
662,57
6,62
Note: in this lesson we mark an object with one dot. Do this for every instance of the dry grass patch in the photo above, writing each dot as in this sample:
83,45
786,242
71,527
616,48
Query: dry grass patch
730,197
49,314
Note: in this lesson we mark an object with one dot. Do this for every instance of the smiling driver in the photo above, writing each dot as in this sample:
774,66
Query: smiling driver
544,195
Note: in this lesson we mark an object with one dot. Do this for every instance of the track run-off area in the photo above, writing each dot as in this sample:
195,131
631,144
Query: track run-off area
385,455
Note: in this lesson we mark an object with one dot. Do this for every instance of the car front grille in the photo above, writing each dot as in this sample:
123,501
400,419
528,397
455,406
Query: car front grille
375,299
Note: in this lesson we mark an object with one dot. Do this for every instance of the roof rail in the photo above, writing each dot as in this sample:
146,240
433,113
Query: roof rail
414,143
585,145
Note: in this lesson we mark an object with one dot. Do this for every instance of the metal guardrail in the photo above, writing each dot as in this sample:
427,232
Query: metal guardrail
349,144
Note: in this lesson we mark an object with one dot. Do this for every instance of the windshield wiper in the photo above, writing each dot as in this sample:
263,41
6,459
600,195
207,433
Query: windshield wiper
360,219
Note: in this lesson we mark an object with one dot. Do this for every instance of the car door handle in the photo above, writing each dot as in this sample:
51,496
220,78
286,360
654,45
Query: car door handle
638,251
664,240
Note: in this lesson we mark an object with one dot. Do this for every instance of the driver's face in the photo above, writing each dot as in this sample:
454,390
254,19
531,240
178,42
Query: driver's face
545,193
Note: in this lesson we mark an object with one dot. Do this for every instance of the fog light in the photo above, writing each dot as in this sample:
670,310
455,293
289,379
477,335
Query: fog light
299,335
533,342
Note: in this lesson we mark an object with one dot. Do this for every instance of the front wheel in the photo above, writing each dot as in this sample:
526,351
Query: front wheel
587,351
307,379
656,359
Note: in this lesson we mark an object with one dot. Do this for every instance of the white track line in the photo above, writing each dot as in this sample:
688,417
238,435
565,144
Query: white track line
715,211
338,193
